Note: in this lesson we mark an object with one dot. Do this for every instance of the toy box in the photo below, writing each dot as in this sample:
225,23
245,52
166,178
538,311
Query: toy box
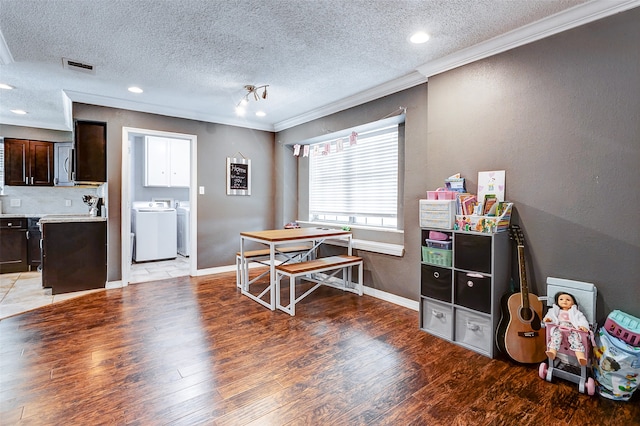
484,224
623,326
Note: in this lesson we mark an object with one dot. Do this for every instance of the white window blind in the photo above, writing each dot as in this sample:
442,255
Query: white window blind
358,185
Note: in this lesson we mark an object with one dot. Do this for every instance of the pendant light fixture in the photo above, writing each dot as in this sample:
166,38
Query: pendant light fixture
252,90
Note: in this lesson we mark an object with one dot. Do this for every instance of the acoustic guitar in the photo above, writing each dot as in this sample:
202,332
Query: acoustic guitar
520,335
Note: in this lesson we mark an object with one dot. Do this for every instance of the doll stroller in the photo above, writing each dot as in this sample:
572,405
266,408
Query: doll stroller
566,365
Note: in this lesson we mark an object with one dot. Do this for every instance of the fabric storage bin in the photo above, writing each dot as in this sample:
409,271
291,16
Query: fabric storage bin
473,252
473,330
473,291
435,282
435,256
437,318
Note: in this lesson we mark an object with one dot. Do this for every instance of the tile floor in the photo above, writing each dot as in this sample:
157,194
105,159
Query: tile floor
22,291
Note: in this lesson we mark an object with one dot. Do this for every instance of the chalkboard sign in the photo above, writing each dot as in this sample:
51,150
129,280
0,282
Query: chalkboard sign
238,176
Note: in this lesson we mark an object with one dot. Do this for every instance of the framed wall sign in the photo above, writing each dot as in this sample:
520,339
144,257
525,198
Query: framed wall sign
238,176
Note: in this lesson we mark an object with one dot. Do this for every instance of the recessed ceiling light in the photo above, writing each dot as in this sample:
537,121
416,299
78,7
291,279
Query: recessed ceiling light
261,113
19,111
134,89
5,86
419,37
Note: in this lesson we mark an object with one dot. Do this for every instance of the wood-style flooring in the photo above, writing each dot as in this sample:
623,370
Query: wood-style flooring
190,351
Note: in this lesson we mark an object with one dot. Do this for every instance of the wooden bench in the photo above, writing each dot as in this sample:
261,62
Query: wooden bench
262,256
305,270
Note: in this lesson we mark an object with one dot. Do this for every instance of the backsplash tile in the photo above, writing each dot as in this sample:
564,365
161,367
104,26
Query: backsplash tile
38,201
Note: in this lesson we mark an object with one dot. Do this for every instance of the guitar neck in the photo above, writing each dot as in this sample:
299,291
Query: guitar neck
524,289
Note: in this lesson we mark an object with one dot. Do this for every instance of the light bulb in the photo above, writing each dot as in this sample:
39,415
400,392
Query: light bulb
419,38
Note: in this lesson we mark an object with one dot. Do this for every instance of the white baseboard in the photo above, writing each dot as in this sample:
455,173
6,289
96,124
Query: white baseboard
388,297
217,270
113,284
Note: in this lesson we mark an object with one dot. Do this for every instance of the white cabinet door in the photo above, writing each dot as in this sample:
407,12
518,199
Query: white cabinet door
167,162
156,161
180,162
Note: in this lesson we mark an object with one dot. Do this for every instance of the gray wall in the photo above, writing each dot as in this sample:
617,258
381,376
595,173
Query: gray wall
220,217
397,275
561,116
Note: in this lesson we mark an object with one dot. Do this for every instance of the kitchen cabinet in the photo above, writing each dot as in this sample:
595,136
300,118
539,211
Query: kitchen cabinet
461,287
63,164
34,249
90,152
13,245
28,163
167,162
74,255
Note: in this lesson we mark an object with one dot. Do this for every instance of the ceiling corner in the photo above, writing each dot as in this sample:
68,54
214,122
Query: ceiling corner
393,86
554,24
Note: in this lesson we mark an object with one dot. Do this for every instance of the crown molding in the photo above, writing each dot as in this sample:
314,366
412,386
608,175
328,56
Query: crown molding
562,21
106,101
393,86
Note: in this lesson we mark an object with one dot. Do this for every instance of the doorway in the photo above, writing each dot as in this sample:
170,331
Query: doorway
132,143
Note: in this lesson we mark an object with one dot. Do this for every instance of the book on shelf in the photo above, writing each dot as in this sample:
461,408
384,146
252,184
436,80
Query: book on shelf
489,205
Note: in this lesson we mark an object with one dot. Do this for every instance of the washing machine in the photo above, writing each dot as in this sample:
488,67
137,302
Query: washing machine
155,228
184,229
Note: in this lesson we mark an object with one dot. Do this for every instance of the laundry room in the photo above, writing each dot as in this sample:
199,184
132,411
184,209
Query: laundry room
159,195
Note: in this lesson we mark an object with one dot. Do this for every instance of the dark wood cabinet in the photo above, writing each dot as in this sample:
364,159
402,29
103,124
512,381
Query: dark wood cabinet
34,249
74,255
28,163
90,151
13,245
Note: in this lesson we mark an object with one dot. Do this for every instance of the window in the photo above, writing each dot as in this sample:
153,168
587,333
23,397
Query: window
357,185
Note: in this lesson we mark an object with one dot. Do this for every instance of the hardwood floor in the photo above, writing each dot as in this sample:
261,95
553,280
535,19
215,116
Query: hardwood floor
189,351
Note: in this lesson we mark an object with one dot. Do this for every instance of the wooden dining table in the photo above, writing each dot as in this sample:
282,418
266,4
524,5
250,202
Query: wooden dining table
279,237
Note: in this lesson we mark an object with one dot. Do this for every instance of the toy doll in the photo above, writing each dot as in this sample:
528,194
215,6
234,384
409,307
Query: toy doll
565,313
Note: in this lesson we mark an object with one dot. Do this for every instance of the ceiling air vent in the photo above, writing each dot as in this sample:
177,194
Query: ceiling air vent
78,66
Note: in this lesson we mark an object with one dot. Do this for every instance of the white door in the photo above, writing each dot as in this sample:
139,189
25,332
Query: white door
180,159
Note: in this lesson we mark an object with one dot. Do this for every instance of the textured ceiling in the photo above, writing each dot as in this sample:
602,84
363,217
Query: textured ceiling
193,57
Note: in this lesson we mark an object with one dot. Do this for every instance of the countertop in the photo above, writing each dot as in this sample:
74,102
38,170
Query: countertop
64,217
56,218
